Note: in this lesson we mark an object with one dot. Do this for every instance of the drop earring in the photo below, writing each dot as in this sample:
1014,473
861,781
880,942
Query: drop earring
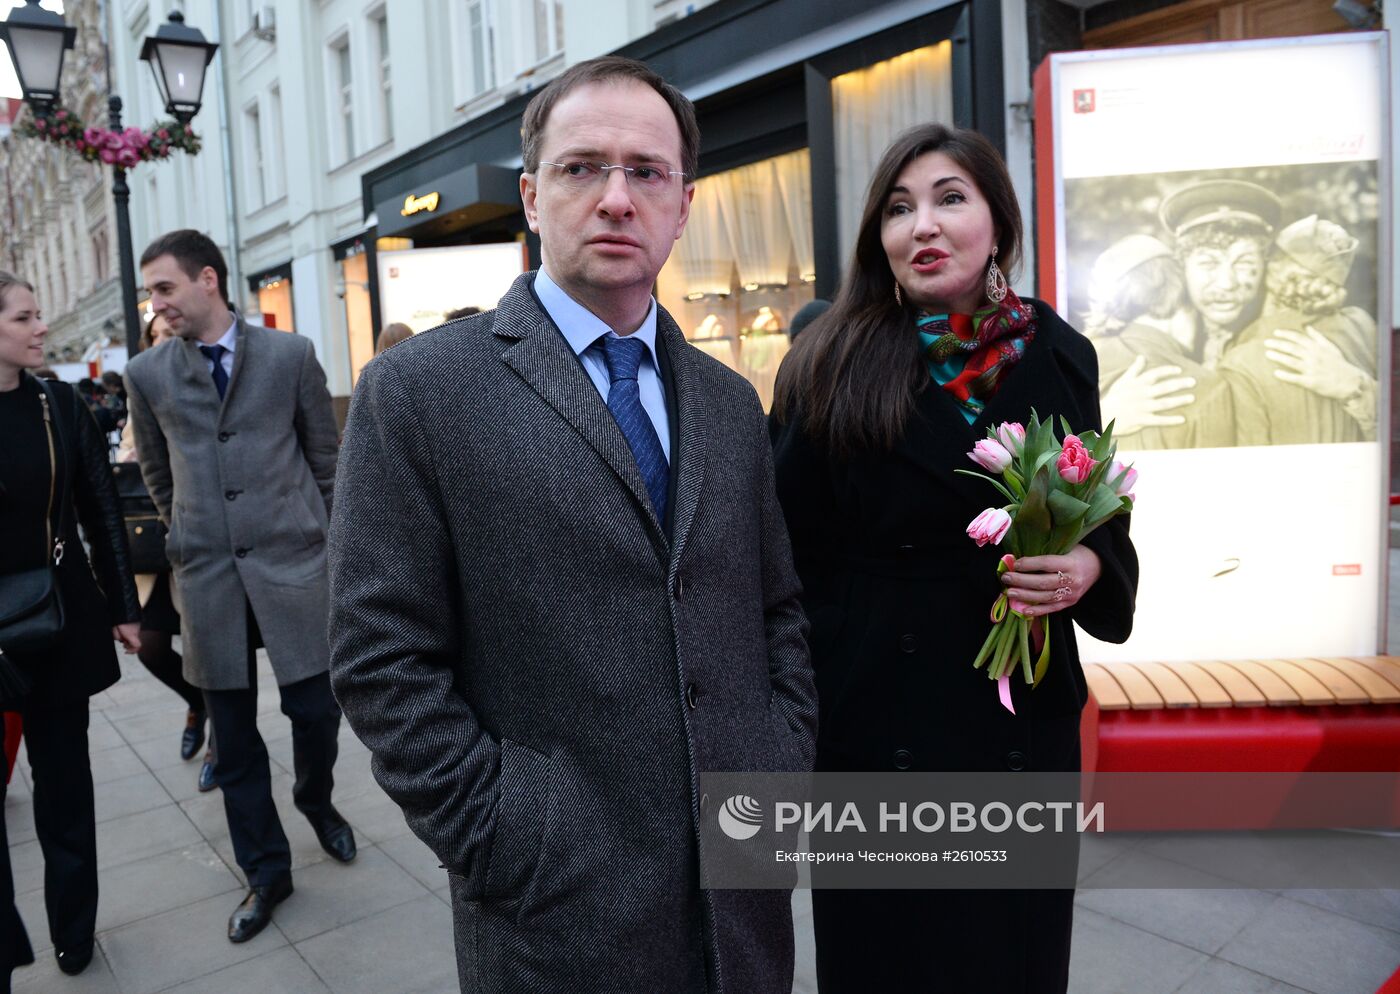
898,297
996,282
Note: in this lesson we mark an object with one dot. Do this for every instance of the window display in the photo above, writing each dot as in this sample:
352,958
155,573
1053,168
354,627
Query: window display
745,265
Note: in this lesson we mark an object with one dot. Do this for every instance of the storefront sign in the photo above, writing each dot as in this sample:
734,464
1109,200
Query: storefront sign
1220,231
412,205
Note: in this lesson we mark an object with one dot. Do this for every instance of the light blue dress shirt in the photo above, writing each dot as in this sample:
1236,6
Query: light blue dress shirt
582,329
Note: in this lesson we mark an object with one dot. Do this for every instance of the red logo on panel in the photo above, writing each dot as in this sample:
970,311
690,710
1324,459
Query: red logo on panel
1083,101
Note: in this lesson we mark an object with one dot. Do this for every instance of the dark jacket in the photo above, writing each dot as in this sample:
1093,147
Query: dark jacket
99,593
541,668
898,597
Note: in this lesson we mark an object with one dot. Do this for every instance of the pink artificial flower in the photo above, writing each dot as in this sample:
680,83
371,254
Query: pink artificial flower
991,456
93,136
40,124
128,157
1012,434
113,140
163,134
108,156
61,114
989,527
1123,487
1075,463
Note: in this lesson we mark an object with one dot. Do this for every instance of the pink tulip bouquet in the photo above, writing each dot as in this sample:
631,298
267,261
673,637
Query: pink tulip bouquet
1058,492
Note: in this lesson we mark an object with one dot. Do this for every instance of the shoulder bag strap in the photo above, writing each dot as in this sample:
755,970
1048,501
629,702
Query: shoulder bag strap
49,399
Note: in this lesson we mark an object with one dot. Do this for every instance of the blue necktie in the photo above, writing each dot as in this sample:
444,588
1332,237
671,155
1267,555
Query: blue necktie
215,354
624,356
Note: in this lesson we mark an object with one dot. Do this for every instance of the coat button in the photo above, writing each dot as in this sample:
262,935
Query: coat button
903,759
909,643
230,495
1015,760
223,436
680,586
704,803
240,552
692,695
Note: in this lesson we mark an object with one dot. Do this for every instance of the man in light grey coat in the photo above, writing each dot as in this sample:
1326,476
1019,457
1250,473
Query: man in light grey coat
237,442
561,586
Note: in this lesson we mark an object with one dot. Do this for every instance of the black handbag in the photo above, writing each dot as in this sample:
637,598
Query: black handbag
145,533
31,602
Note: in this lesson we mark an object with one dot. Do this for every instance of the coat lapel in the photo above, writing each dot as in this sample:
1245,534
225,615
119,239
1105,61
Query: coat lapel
241,346
543,359
688,462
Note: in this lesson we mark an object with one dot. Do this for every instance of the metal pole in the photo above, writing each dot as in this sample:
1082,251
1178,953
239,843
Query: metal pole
121,193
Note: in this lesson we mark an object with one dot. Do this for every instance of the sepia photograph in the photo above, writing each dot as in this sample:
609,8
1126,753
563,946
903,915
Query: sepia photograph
1230,306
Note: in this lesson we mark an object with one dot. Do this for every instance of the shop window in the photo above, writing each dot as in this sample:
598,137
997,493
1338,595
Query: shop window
870,107
275,302
359,317
745,265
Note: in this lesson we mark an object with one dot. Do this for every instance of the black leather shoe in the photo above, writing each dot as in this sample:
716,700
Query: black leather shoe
336,838
252,916
74,961
206,774
193,736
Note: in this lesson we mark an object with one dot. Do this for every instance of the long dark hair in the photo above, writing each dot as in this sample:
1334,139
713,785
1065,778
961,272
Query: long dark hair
852,377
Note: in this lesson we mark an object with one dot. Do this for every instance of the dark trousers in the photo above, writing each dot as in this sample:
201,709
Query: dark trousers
64,820
166,665
242,772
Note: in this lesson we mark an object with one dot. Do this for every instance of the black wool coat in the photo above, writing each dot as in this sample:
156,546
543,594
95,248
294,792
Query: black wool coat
898,596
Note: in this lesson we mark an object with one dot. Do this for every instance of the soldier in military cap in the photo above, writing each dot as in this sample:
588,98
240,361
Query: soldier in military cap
1222,230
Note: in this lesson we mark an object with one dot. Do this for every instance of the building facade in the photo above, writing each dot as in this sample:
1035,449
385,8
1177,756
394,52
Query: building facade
57,212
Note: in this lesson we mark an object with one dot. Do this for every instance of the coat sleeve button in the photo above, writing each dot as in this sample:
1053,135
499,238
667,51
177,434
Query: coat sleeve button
903,759
1015,760
908,643
704,803
692,696
223,436
240,552
230,495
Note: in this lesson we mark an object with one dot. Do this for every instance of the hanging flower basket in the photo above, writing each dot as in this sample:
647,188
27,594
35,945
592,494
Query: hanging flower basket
123,148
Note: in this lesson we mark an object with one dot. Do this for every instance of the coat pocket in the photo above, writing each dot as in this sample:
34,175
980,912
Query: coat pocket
294,506
523,803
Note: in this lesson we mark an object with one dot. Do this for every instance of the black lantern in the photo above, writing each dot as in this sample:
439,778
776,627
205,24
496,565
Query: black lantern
178,56
37,39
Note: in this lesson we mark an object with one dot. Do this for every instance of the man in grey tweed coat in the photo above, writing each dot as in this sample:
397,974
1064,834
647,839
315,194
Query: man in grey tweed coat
561,586
237,442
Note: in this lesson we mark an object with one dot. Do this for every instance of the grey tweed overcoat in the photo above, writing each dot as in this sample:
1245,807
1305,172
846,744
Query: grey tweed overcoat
244,485
541,673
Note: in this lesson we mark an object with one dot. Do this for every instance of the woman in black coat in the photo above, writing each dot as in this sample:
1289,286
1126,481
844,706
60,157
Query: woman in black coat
99,600
876,406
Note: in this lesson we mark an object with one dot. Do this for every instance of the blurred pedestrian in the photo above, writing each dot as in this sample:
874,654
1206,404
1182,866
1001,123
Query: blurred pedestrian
238,441
392,335
160,621
461,312
54,476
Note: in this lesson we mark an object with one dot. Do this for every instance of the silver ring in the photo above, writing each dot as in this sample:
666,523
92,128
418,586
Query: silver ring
1061,575
1060,593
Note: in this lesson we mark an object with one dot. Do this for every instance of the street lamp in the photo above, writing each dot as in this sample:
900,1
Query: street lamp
178,55
37,39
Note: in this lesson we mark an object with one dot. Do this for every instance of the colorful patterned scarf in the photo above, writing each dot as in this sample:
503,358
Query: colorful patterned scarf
989,342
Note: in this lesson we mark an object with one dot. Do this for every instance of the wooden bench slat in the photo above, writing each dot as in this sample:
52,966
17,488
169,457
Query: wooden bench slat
1104,688
1203,683
1142,696
1173,689
1243,693
1386,665
1373,677
1276,691
1338,684
1309,688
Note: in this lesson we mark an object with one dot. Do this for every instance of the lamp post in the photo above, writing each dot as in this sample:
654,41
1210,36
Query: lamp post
178,56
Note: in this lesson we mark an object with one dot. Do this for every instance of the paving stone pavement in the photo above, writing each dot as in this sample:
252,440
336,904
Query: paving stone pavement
382,925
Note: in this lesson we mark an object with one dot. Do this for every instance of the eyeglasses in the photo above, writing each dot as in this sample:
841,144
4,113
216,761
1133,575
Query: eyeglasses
580,174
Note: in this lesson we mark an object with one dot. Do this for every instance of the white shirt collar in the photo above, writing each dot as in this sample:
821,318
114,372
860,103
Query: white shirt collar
581,327
230,336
